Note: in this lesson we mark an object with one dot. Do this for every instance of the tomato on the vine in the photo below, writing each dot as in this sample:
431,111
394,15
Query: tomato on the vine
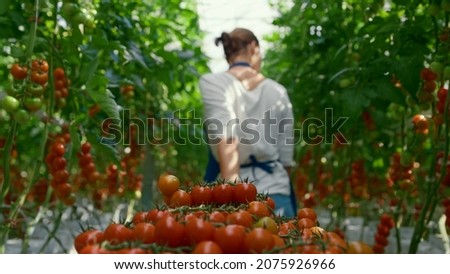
117,233
198,230
144,233
39,77
40,65
230,238
307,213
19,72
201,195
180,198
59,73
244,193
258,241
89,237
222,194
169,231
10,104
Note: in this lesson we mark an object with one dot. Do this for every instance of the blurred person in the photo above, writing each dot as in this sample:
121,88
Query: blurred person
249,123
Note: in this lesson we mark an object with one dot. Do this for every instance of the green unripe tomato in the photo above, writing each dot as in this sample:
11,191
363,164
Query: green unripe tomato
10,104
21,116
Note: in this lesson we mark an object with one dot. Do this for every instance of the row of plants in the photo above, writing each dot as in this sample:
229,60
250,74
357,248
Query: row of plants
384,67
88,92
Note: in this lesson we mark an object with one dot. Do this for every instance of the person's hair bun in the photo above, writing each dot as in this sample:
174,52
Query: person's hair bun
224,38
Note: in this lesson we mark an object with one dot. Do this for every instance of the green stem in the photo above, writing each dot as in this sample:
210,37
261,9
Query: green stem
52,233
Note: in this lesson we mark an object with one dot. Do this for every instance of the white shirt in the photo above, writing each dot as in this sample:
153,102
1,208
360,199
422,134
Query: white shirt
230,110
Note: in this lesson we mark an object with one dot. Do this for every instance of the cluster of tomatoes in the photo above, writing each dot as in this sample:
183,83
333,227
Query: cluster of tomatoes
357,180
420,123
86,163
56,164
382,234
401,171
425,94
210,223
218,194
61,86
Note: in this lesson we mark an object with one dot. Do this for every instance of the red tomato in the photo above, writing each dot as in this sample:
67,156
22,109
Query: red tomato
201,195
207,247
258,241
19,72
230,238
169,231
307,213
258,209
222,194
58,73
198,230
305,223
244,193
240,217
216,217
180,198
89,237
139,217
155,214
144,233
117,233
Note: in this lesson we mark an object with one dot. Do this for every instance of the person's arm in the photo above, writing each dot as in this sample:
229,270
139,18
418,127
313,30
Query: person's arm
229,159
218,111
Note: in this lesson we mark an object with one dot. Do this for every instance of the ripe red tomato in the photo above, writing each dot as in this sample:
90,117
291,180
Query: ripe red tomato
144,233
154,215
305,223
89,237
63,190
180,198
117,233
19,72
230,238
207,247
270,203
258,209
222,193
198,230
216,217
307,213
40,65
86,148
58,73
201,195
168,184
169,231
240,217
139,217
258,241
387,220
39,77
244,193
